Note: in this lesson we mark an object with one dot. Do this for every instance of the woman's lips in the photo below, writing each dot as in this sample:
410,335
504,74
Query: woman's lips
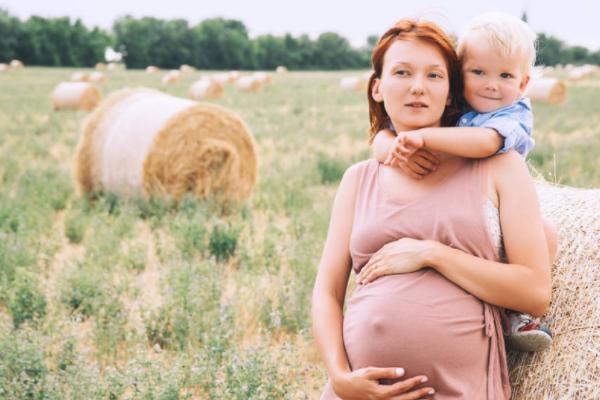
416,104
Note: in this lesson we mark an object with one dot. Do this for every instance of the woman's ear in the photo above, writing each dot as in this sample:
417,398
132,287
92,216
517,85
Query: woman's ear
449,100
375,92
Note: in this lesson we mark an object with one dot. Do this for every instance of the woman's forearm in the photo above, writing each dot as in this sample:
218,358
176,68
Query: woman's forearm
327,319
512,286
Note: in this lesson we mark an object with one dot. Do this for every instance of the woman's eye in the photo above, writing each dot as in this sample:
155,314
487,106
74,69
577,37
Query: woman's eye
506,75
402,72
435,75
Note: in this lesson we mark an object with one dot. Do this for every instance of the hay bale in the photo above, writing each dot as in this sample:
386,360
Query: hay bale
115,66
263,78
16,64
186,68
571,368
233,76
206,89
97,77
151,69
581,72
550,90
171,77
74,96
100,66
79,76
353,84
281,69
248,84
4,68
142,142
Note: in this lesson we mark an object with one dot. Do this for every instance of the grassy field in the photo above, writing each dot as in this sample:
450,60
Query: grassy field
143,300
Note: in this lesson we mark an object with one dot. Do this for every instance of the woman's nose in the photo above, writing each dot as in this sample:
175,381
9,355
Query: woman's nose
416,86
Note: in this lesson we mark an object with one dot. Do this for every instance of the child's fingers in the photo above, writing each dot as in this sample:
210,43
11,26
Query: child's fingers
425,163
417,169
410,173
429,156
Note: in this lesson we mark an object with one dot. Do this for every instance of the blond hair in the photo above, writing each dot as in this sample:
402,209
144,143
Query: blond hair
506,33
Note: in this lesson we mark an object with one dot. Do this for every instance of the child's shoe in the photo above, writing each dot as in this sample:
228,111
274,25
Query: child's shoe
525,334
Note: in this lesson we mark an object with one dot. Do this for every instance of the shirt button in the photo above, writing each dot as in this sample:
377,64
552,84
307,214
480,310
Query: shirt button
464,120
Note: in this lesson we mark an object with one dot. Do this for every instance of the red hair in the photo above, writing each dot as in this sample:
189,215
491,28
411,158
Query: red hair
426,31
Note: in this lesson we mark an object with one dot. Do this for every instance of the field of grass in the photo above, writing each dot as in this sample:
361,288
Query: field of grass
143,300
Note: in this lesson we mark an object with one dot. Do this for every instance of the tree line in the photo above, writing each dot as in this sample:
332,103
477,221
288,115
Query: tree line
215,43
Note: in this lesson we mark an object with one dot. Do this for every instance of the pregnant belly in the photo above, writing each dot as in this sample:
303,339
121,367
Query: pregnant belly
423,323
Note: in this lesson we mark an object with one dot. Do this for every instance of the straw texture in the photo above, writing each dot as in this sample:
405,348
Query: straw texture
571,368
549,90
75,95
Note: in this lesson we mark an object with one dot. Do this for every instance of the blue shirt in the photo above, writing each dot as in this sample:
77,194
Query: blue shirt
513,122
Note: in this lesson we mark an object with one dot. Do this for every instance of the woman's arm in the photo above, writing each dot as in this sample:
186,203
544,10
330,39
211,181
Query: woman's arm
524,284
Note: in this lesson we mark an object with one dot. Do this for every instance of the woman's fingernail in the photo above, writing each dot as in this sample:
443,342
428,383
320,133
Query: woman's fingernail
399,371
424,379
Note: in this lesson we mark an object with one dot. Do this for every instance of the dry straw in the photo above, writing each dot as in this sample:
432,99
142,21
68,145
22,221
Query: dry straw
79,76
4,68
16,64
263,78
186,68
75,95
100,66
151,69
97,77
171,77
144,142
571,368
248,84
581,72
353,84
206,89
549,90
281,69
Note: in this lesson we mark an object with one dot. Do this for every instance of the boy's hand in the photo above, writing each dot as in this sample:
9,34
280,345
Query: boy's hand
408,154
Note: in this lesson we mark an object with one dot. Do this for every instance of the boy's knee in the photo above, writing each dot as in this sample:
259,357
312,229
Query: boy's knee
551,238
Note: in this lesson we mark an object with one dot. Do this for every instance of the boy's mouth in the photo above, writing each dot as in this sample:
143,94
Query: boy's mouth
416,104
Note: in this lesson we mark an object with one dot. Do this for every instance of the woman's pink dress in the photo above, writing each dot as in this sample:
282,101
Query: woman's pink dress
421,321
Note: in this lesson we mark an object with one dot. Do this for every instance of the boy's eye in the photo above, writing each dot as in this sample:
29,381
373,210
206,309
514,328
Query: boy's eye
477,71
506,75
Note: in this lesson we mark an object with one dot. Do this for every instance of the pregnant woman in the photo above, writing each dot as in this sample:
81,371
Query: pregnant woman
431,324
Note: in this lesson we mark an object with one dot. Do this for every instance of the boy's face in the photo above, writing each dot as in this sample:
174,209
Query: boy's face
491,81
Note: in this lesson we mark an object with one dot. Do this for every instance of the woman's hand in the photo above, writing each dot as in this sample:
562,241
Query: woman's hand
363,384
398,257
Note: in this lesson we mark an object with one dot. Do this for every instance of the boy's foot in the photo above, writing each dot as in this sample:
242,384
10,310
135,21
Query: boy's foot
526,334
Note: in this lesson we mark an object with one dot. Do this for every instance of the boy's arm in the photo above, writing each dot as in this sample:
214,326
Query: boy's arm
471,142
382,143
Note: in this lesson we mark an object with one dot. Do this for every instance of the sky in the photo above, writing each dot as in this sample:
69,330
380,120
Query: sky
576,22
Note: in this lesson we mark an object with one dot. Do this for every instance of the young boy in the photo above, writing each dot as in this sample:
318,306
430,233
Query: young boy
497,52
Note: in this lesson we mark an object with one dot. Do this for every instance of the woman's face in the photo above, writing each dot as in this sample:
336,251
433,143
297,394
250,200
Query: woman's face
414,85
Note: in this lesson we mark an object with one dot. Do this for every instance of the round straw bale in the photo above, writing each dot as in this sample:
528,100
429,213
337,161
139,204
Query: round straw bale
221,78
248,84
233,76
144,142
16,64
79,76
115,66
550,90
4,67
581,72
206,89
186,68
100,66
263,78
97,77
75,95
570,369
353,83
151,69
171,77
281,69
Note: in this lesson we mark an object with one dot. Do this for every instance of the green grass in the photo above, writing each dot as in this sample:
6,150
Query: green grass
147,299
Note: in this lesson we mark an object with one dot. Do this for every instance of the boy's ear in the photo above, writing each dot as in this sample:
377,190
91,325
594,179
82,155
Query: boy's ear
524,83
375,92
